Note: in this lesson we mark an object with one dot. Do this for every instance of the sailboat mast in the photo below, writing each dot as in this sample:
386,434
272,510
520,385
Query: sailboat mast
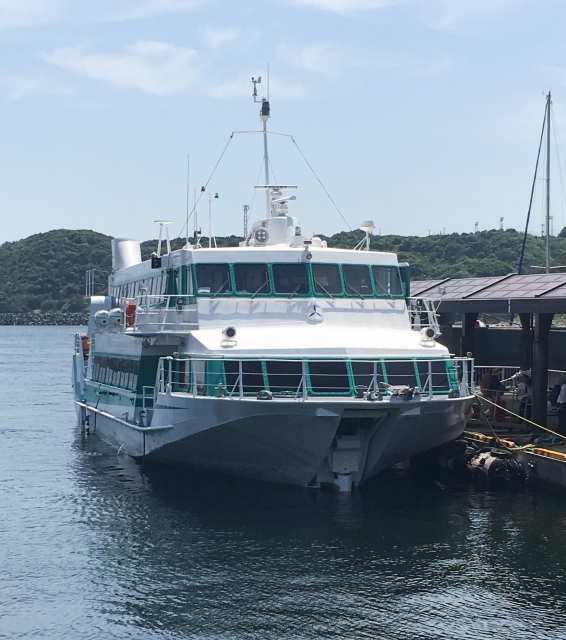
548,103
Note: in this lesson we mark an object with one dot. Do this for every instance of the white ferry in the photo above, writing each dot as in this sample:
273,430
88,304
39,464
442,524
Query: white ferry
281,360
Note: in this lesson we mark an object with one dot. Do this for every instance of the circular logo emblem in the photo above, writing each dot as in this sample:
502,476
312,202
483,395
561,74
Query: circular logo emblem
261,235
314,313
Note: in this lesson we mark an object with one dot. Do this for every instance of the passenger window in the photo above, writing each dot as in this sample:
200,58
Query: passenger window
368,375
252,376
213,278
326,278
252,279
401,374
387,281
440,381
357,280
329,377
284,376
290,278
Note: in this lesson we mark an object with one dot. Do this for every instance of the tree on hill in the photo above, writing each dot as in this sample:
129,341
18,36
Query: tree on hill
47,270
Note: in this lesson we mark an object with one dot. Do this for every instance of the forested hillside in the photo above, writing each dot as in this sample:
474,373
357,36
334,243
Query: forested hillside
47,271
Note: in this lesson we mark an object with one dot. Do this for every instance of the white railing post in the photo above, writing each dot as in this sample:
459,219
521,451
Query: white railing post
374,379
430,386
170,381
464,382
240,380
194,375
304,381
472,375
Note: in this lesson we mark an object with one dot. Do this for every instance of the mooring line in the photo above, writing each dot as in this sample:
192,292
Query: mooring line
517,416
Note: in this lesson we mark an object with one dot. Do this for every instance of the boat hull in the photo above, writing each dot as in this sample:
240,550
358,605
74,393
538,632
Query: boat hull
285,440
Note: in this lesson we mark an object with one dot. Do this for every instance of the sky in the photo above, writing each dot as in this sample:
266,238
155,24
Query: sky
422,115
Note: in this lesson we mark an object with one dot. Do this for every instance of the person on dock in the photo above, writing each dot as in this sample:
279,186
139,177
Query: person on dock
561,402
525,393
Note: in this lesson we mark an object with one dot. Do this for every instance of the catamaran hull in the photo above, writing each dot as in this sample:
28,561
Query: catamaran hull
292,442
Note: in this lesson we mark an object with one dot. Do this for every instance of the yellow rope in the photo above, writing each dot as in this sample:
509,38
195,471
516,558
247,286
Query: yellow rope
518,416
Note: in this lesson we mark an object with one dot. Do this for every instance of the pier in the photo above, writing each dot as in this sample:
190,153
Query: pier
534,299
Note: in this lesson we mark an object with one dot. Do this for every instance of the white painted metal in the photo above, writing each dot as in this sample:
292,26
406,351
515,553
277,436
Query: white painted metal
295,438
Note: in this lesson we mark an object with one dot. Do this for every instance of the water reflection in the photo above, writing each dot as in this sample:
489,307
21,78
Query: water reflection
204,556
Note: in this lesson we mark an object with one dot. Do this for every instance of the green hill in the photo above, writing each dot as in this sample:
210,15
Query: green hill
47,271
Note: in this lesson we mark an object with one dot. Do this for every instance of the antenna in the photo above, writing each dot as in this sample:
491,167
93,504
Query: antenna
187,221
501,223
246,209
211,199
476,227
254,94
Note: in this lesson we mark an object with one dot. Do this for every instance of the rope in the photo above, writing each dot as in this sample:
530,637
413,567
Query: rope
320,183
516,415
206,185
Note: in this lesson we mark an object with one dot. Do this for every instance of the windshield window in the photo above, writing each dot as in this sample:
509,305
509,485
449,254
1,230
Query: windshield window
290,278
357,280
213,278
252,278
326,278
387,281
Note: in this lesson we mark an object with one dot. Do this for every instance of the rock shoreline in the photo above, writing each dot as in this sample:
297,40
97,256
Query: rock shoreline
48,318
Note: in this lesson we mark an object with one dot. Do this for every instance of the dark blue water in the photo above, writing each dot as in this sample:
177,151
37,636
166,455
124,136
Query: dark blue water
91,546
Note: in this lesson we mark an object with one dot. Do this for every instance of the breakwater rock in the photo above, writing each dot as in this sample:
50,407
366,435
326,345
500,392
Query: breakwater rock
41,319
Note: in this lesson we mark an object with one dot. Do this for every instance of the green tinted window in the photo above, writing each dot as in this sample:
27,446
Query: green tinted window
290,278
357,280
326,278
252,278
387,281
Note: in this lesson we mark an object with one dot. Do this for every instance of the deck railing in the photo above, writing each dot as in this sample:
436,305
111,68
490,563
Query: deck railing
156,314
312,378
422,313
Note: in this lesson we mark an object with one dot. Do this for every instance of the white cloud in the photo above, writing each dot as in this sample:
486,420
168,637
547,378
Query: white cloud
215,38
451,15
347,6
28,13
335,61
19,86
465,15
155,67
162,69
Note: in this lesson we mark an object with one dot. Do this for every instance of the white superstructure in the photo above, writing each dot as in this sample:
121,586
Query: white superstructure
281,359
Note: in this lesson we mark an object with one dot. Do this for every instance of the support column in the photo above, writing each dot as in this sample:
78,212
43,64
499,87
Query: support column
526,341
542,323
468,327
445,321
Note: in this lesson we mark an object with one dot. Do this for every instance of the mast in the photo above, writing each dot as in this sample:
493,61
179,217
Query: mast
265,115
265,118
548,103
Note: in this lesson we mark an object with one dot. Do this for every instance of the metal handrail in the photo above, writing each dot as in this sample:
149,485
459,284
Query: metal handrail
187,375
157,313
423,313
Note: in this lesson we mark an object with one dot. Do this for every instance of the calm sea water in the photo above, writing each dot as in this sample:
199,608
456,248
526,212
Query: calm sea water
91,546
